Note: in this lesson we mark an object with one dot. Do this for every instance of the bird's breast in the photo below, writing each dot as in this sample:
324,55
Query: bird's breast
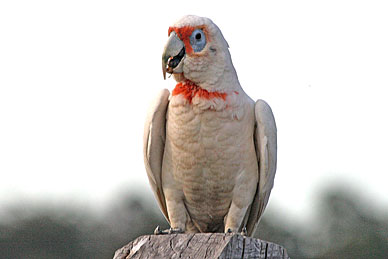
206,144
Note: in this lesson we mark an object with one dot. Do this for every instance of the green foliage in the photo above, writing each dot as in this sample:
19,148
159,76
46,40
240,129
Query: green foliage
345,228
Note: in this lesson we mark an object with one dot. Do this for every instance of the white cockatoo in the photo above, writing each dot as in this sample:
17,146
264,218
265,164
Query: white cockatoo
209,149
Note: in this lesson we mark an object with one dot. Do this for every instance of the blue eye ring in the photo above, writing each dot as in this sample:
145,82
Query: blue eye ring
198,40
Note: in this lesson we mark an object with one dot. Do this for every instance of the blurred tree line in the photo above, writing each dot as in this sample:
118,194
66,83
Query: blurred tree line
346,226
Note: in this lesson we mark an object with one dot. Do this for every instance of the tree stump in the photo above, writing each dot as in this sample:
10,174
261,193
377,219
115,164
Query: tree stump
201,245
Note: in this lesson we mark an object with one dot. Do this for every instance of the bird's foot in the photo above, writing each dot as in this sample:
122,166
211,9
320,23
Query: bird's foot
176,231
244,232
159,231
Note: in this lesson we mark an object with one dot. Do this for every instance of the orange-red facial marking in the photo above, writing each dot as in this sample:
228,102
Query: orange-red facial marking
184,34
189,90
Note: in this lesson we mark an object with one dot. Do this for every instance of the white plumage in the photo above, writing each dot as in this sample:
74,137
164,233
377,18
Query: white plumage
209,149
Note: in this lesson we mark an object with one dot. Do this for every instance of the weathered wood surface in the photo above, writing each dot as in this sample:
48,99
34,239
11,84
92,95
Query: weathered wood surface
203,245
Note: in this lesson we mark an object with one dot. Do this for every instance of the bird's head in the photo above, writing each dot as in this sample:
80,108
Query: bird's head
197,51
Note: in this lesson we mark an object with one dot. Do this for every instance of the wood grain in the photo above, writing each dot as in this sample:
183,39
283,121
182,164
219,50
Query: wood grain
201,245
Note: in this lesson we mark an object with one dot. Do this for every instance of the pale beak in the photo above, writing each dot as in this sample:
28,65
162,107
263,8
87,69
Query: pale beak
173,55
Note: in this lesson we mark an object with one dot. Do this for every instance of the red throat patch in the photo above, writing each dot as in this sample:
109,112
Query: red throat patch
189,90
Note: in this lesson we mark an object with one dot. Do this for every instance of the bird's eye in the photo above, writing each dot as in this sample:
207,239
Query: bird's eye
198,40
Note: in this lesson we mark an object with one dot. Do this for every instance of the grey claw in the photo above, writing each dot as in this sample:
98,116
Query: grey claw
157,231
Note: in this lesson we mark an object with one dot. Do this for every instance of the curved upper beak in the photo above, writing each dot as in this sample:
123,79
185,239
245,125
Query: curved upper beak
173,55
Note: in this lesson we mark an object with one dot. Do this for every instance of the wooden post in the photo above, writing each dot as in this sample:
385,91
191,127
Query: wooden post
201,245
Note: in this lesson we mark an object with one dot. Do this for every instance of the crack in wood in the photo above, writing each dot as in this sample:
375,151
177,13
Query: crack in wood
200,245
243,248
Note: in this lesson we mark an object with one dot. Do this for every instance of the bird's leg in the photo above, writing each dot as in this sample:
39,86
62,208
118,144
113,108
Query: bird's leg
177,212
234,218
243,194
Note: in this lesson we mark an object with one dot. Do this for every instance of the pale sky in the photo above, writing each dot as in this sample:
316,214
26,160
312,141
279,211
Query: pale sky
76,78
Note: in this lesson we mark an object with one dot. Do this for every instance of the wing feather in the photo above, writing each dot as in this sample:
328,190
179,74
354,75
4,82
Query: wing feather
265,137
154,140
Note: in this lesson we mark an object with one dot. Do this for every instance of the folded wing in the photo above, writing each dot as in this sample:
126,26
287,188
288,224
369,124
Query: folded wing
154,141
265,138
